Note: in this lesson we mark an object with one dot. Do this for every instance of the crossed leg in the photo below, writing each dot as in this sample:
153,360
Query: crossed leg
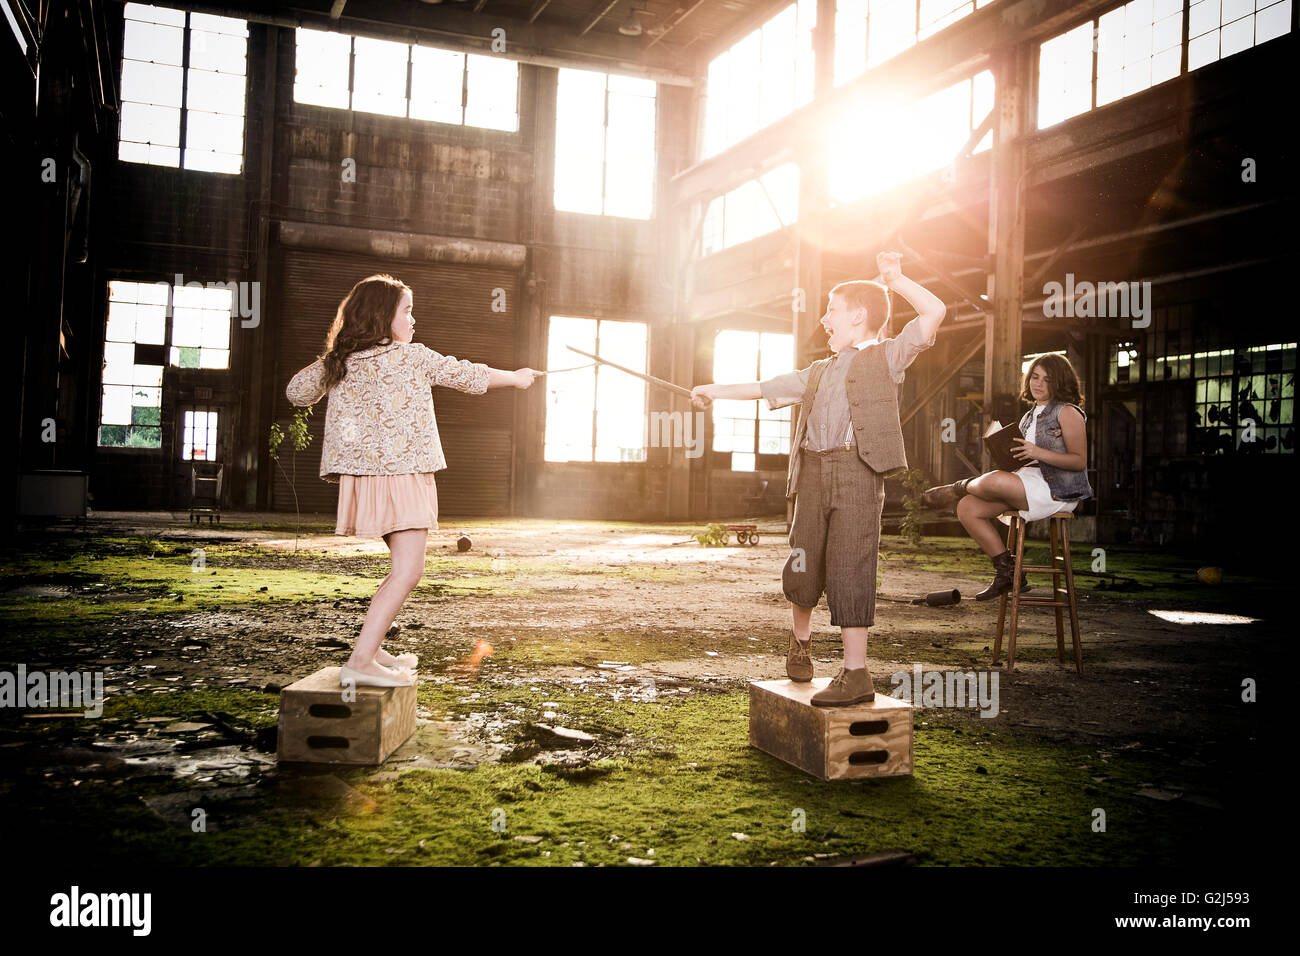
986,497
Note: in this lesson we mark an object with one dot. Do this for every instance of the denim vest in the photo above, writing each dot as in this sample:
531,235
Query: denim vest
1064,485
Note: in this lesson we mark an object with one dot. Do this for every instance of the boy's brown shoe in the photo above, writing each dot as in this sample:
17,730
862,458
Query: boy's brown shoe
846,687
798,660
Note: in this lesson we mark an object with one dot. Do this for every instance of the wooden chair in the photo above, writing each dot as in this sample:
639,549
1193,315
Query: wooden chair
205,490
1061,598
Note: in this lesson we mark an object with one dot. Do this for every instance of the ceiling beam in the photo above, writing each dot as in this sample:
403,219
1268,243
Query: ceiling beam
602,8
673,26
538,7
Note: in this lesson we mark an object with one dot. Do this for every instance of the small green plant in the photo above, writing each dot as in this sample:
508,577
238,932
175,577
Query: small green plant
715,535
914,484
299,438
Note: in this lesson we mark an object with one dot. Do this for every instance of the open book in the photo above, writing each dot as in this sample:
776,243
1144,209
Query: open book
998,441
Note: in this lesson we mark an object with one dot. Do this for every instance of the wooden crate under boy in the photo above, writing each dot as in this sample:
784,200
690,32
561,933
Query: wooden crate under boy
834,743
318,725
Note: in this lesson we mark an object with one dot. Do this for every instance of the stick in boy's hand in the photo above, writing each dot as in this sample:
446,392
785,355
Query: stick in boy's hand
524,376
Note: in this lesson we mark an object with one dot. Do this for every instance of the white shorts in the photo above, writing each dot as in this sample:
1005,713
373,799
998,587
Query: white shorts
1038,496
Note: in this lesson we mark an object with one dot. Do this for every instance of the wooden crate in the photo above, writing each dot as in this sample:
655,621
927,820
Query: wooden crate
317,725
832,743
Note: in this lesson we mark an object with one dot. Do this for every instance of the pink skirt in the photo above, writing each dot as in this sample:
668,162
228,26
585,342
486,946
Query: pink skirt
370,506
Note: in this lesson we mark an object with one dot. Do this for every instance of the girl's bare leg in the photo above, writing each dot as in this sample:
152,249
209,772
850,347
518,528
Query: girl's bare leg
988,496
407,548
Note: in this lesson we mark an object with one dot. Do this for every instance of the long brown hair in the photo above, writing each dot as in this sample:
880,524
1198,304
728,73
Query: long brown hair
1061,379
364,319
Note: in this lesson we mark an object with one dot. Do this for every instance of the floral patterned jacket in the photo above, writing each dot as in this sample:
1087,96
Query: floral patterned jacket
379,419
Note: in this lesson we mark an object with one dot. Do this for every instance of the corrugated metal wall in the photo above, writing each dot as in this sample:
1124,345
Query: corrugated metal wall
453,315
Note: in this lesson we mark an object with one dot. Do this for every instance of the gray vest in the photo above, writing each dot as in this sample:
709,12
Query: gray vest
1064,485
873,407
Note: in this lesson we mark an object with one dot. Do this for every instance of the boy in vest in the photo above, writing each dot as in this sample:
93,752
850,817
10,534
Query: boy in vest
847,441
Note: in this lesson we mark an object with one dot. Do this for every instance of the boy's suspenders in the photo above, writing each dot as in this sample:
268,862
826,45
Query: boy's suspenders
814,384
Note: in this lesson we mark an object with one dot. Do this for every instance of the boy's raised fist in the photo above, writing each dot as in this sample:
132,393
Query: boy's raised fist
890,265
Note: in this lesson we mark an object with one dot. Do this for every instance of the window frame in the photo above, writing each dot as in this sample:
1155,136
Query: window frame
595,403
410,73
1094,19
604,153
763,461
168,369
187,34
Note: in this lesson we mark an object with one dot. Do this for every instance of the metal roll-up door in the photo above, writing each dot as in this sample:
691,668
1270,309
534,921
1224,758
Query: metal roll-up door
453,316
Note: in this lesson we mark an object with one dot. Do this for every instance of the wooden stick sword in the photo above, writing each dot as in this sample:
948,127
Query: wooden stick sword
649,378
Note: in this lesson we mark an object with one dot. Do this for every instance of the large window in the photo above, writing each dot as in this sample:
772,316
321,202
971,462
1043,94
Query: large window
594,412
199,436
605,144
758,207
183,79
749,429
1138,45
1219,28
761,78
1234,387
1065,75
869,32
139,341
883,143
1122,52
1242,397
401,79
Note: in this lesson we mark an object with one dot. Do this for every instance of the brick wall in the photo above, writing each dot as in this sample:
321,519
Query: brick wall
607,492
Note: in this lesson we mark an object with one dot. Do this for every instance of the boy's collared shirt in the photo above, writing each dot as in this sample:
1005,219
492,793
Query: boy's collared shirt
829,421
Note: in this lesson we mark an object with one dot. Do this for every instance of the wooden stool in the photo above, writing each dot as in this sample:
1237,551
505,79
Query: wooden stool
320,723
1062,597
832,743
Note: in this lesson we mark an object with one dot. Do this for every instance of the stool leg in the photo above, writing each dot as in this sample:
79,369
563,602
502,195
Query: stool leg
1002,604
1019,525
1056,589
1074,609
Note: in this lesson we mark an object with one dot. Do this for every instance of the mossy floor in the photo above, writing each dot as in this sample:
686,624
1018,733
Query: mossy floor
643,644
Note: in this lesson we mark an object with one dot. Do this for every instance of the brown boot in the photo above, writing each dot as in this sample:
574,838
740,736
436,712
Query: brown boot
798,660
945,496
1004,566
846,687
